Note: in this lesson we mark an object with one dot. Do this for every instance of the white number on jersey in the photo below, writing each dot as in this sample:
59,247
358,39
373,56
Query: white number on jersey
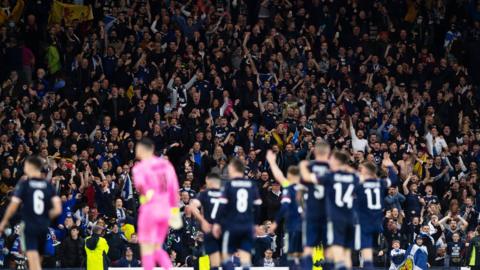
242,200
216,204
319,192
38,204
373,203
342,199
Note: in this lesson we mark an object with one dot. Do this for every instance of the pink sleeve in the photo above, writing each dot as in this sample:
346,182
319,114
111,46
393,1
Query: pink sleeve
172,185
138,177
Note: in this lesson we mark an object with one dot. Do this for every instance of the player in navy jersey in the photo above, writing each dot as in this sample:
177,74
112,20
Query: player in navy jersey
40,204
370,194
238,217
209,201
290,209
315,222
339,186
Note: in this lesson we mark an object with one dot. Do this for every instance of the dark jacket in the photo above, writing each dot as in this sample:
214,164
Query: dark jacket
123,262
72,253
117,246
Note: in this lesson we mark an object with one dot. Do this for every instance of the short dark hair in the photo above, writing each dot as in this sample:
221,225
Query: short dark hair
35,161
214,176
147,143
370,166
237,165
342,156
294,170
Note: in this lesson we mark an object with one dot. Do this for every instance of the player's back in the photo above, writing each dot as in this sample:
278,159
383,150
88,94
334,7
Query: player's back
156,179
241,197
369,202
293,215
340,193
315,197
36,196
210,199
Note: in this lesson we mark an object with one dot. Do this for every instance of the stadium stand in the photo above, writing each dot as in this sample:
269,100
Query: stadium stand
82,81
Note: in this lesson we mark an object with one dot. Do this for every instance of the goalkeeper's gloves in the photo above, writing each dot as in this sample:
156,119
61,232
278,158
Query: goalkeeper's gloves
175,219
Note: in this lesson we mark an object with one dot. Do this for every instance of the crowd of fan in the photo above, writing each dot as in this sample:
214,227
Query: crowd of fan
210,80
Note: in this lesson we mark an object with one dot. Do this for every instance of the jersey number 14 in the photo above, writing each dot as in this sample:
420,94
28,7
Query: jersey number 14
342,199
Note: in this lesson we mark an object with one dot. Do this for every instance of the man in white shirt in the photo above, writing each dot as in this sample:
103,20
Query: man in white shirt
435,142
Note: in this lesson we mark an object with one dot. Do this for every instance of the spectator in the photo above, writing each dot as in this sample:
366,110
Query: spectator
394,199
456,251
267,260
116,242
96,248
128,260
212,80
72,249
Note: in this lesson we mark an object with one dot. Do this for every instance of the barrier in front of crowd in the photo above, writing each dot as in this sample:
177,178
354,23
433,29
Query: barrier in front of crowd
239,268
267,268
191,268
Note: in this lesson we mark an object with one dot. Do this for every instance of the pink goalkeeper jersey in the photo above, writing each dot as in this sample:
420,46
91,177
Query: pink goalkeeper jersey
156,179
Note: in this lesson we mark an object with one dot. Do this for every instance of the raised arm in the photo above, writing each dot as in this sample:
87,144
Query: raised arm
11,210
277,173
391,170
405,185
307,175
56,209
191,82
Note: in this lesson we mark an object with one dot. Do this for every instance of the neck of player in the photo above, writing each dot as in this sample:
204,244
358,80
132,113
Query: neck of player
35,175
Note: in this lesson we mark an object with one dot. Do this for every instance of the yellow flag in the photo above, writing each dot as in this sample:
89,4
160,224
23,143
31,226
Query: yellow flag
407,265
412,11
130,92
317,256
15,15
69,13
204,263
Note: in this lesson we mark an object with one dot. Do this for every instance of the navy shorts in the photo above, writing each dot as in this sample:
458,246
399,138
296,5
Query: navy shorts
234,240
344,234
293,242
33,239
211,244
314,233
368,237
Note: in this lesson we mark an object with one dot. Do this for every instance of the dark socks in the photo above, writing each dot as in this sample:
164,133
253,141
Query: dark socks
307,262
328,265
228,265
340,266
368,265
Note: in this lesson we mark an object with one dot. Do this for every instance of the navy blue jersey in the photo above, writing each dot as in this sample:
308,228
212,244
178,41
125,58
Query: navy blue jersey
369,202
315,197
242,202
36,196
340,192
290,210
210,200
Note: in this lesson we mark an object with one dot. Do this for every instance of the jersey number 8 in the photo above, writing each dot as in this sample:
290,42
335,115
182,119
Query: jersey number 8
242,200
38,204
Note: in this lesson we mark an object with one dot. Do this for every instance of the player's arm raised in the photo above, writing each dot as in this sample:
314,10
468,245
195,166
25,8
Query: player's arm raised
56,207
194,208
307,175
11,210
277,173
